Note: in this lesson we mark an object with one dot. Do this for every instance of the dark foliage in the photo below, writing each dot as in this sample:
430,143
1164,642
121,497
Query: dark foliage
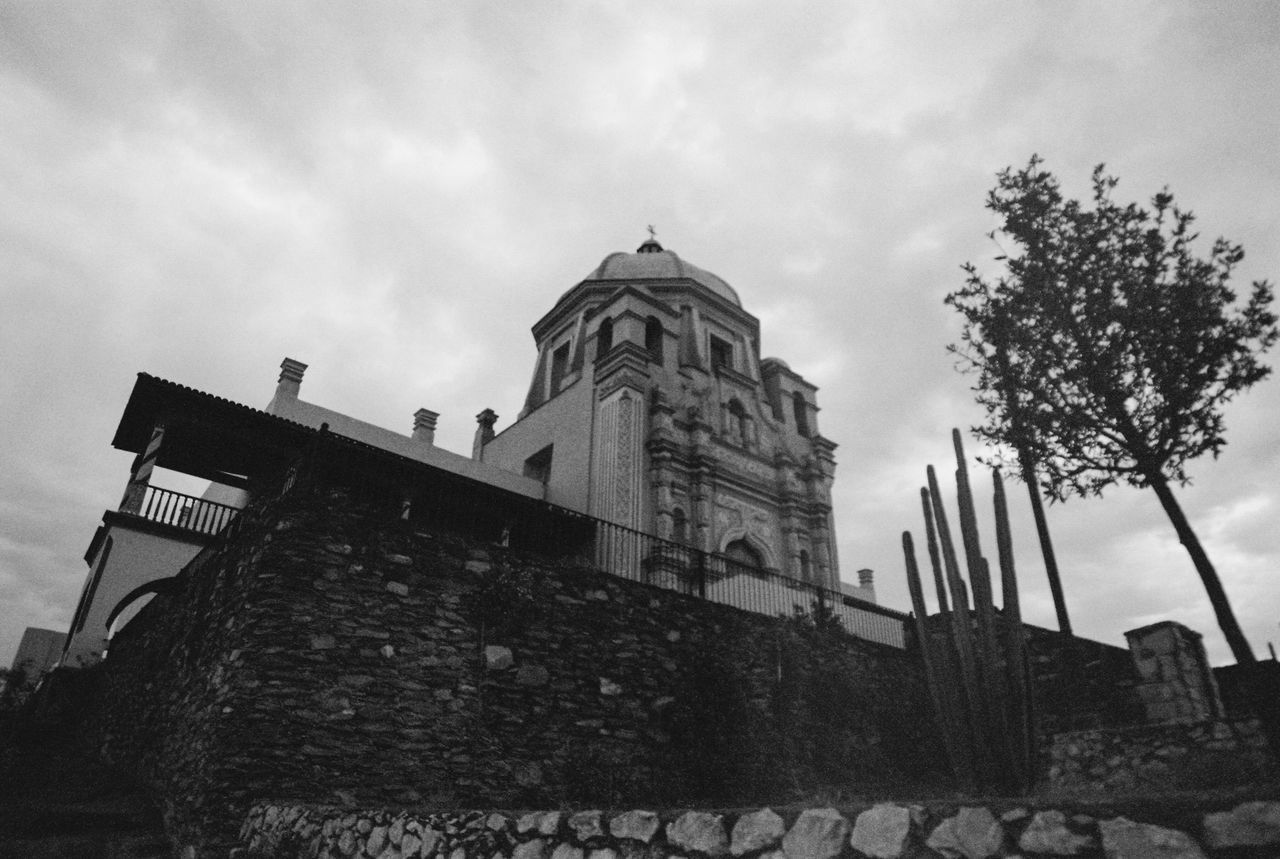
1106,347
723,743
505,602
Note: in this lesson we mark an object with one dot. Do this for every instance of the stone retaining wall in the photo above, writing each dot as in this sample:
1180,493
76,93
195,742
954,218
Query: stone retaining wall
331,654
1165,757
884,831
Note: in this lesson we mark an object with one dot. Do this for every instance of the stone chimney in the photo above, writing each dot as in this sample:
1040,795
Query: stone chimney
286,395
867,580
484,432
424,426
290,379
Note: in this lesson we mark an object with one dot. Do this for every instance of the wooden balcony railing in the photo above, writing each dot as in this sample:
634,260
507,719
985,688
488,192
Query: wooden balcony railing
184,511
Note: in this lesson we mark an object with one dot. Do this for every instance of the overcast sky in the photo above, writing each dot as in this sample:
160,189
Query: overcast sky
393,193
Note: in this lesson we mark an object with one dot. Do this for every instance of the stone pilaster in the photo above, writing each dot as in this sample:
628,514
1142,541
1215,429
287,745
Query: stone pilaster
617,458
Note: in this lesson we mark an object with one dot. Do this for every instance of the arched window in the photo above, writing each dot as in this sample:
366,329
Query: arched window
653,339
604,338
679,527
801,411
742,552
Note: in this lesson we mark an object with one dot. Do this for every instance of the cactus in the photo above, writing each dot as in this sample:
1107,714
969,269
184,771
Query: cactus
979,683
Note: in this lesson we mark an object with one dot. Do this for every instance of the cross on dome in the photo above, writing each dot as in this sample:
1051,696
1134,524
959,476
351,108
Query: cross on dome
650,245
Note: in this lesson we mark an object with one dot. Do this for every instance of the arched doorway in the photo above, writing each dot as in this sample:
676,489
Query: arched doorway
742,552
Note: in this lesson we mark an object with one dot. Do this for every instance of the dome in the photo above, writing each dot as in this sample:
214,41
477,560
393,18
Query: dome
653,262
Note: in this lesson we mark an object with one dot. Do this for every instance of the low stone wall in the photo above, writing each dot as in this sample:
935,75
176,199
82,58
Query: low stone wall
884,831
1080,684
1160,758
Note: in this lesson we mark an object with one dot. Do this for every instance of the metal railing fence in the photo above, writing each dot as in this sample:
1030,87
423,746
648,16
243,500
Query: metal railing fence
446,504
642,557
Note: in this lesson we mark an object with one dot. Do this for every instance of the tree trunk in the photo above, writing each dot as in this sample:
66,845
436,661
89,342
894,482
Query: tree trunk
1217,596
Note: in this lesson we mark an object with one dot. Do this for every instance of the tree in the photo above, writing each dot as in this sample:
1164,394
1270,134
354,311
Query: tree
1106,348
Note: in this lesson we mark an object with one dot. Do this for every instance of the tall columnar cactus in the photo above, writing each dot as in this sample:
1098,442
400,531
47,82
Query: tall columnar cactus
978,677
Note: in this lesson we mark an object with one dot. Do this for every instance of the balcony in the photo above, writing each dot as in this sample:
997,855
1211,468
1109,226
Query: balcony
196,515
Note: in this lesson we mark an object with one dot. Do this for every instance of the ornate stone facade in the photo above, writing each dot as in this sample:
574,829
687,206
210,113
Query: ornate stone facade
652,365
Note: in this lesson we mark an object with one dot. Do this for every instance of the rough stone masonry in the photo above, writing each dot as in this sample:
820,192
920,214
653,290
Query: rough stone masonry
327,652
882,831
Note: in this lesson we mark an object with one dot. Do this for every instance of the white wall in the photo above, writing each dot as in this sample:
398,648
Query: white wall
136,558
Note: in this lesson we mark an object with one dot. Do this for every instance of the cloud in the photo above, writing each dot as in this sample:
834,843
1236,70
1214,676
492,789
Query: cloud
395,195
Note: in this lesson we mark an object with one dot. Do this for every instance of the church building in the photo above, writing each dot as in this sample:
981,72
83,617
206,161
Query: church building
650,410
650,407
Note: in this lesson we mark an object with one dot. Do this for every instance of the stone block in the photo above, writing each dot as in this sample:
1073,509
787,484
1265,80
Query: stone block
535,849
1048,833
637,825
1248,824
587,825
973,833
818,833
395,831
376,841
1124,839
532,675
542,822
881,831
699,831
398,588
567,851
497,658
756,831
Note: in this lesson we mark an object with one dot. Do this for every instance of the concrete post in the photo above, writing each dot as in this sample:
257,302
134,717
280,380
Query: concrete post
140,475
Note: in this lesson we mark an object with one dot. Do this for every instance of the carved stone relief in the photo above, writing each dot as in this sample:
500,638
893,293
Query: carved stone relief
625,462
744,464
735,516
